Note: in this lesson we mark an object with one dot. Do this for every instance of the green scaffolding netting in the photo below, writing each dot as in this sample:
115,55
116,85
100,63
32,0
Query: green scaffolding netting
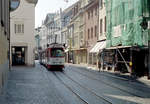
123,22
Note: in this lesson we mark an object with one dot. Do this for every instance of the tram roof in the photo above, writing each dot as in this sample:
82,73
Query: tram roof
55,45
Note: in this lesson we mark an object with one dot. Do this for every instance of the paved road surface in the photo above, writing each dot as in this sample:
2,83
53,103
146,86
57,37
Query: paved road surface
74,85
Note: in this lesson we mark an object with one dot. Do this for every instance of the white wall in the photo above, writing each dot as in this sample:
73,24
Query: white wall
24,13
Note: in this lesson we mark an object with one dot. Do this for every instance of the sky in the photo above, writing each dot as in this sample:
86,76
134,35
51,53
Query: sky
49,6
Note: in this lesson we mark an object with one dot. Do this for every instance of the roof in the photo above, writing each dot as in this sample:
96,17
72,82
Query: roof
49,17
56,45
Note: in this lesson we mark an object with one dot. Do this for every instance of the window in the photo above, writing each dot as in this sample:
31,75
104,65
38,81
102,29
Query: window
96,11
88,15
95,31
101,26
92,13
19,28
88,33
22,28
105,23
15,28
101,4
92,32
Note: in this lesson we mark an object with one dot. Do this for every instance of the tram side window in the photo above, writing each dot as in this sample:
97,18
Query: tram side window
57,53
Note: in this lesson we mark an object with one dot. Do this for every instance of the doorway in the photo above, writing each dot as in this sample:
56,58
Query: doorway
18,55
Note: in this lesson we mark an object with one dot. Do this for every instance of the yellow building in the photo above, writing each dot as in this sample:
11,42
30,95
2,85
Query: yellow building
79,49
4,41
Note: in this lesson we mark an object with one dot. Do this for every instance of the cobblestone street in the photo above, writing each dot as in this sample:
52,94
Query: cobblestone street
75,85
29,86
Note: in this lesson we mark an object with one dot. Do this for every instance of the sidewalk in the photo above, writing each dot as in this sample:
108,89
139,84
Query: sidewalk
124,76
29,85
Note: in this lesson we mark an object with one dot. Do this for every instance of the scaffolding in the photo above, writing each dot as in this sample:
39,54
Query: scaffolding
126,22
128,34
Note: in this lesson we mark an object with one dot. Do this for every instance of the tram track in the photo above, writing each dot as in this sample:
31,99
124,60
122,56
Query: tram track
89,90
125,80
72,84
115,77
69,88
108,84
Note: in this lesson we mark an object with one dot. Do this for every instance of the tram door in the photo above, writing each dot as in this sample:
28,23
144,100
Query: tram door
18,56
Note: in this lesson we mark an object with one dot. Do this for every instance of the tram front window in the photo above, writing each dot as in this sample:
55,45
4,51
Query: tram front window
57,53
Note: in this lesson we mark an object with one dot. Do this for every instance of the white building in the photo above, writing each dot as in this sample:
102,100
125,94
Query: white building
53,23
43,37
57,26
22,22
49,26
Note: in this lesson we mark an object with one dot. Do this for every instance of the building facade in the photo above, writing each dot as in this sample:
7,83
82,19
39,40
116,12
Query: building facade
74,29
66,32
22,22
91,31
102,21
82,33
43,37
37,41
4,41
48,31
128,34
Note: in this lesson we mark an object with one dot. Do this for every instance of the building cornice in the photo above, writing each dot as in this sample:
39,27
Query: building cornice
90,4
32,1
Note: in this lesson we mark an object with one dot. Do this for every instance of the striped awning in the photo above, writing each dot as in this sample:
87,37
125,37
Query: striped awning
98,46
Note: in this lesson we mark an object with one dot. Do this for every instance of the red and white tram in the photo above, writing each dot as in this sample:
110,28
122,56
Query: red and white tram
53,56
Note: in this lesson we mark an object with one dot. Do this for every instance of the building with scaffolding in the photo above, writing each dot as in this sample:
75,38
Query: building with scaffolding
127,36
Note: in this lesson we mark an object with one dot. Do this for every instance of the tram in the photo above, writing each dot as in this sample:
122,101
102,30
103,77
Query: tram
53,57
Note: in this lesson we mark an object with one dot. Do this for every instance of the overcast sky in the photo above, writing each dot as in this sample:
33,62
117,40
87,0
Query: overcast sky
49,6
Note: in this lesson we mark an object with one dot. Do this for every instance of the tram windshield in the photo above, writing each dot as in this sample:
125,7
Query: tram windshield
57,52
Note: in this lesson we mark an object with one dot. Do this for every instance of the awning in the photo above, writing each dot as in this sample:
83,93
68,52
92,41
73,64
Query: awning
66,50
98,46
118,47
